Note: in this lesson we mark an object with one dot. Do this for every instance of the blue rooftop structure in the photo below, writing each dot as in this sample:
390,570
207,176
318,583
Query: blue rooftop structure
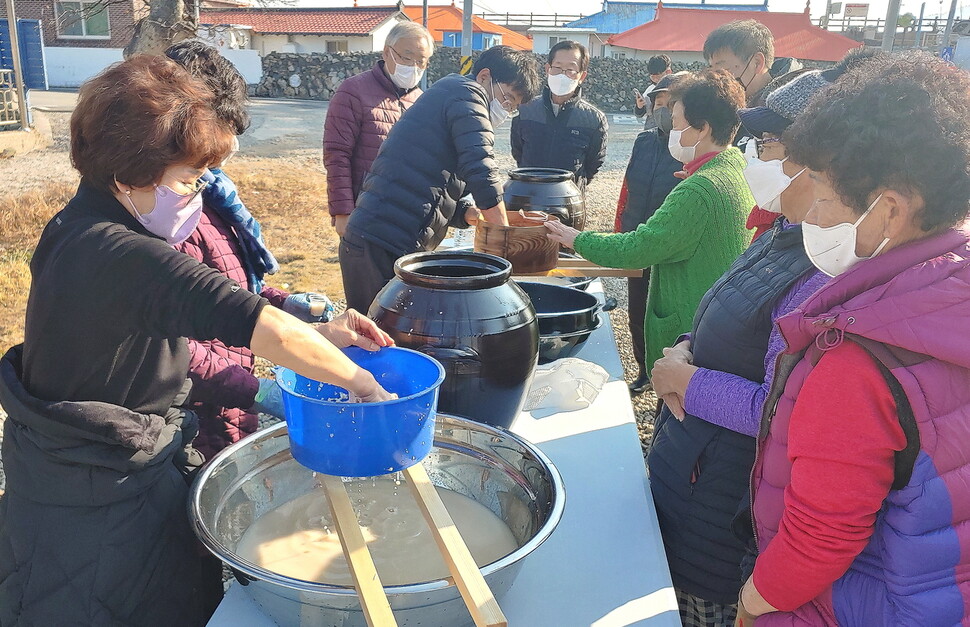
619,17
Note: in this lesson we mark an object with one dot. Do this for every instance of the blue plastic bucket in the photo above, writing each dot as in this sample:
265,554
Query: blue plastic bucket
336,437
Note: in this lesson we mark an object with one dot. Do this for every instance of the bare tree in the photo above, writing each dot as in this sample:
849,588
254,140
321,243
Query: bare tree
167,22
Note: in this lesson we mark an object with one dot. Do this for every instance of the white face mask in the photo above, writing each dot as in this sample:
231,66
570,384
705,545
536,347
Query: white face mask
562,85
767,180
497,112
684,154
832,249
405,76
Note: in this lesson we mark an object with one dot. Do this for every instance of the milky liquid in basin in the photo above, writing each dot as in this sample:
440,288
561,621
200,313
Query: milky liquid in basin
299,540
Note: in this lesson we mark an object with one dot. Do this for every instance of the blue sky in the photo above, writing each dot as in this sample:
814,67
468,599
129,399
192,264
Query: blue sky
877,8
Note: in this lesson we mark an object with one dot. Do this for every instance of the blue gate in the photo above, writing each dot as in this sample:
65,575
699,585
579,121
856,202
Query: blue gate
31,52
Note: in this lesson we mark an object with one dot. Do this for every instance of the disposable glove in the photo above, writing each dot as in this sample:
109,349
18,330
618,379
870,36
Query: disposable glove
309,307
269,399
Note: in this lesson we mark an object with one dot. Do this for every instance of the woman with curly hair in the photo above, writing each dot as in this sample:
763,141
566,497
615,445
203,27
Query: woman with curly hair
861,488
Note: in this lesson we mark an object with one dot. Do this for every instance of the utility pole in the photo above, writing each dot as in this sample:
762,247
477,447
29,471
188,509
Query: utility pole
424,22
18,66
466,37
828,12
918,37
946,31
889,30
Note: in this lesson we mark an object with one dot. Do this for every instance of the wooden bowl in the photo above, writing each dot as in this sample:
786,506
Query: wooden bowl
523,242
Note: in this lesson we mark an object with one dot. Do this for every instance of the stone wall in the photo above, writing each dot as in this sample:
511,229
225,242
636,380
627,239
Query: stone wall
316,76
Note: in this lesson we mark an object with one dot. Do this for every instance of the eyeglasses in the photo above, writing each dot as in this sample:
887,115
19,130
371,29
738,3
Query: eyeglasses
761,144
418,63
556,71
507,103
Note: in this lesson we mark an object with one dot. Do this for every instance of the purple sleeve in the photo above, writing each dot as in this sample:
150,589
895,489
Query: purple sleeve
217,380
275,296
734,402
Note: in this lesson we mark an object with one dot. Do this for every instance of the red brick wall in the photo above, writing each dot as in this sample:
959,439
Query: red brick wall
120,23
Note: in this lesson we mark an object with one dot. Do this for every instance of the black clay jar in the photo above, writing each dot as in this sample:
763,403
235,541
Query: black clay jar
546,189
462,309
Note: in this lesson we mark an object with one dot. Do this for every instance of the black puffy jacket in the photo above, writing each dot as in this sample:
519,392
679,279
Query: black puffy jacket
649,178
441,149
94,527
574,140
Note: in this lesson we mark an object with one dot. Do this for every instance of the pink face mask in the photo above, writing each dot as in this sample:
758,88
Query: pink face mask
175,215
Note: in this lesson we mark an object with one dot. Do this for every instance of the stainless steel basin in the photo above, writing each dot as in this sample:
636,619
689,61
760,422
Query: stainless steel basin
490,465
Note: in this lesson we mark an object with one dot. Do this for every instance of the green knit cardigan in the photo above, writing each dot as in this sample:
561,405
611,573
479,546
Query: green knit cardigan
689,242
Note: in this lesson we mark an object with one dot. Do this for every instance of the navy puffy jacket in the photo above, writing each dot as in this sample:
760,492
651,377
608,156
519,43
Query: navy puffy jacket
442,148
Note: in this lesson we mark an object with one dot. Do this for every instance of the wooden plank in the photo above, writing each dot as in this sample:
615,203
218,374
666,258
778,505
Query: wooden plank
373,600
476,593
597,271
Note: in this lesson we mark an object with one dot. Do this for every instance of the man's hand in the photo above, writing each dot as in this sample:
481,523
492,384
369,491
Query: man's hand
559,232
340,224
496,215
472,215
641,103
351,328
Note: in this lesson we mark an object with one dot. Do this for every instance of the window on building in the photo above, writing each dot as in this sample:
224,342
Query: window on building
555,40
619,55
337,46
82,19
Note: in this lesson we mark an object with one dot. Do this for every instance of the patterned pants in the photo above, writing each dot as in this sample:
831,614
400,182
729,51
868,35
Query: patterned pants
696,612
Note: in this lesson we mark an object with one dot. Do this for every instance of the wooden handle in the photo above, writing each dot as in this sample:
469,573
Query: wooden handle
476,593
592,271
373,600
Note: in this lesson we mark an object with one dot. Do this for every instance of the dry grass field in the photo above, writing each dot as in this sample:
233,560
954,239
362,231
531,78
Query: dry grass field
287,200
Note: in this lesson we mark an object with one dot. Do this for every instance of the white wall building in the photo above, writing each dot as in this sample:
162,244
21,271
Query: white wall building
544,38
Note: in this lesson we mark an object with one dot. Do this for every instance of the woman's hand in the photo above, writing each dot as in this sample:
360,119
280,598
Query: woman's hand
675,404
682,348
351,328
670,376
751,605
559,232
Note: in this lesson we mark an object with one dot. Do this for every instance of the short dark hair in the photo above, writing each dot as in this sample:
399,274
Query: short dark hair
141,116
712,96
658,64
511,67
570,45
901,122
744,38
206,64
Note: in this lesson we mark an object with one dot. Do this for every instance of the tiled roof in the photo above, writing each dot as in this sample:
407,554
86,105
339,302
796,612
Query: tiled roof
330,21
448,19
619,17
684,30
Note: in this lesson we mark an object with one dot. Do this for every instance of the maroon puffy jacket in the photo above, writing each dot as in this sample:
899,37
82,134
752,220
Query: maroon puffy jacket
361,114
223,384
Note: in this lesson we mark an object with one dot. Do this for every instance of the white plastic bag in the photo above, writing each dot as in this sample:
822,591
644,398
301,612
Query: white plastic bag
566,385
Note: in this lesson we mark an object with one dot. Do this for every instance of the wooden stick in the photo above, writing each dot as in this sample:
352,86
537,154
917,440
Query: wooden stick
596,271
476,593
373,600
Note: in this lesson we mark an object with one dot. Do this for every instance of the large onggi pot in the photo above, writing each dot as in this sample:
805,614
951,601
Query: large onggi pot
462,309
492,466
549,190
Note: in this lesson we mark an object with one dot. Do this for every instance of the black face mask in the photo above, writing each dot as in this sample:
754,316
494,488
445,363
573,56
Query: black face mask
662,116
739,78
